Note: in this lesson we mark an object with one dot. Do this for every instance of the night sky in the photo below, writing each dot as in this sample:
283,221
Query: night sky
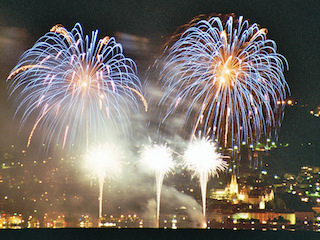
293,25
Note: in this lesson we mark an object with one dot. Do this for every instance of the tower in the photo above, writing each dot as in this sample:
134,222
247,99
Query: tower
234,188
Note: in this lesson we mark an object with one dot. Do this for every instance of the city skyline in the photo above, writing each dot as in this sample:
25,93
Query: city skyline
51,187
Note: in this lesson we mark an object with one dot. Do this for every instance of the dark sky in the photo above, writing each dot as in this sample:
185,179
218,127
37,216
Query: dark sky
293,25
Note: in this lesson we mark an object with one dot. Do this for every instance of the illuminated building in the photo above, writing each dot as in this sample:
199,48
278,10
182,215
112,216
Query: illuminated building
245,195
55,220
33,222
231,191
3,221
233,187
85,221
11,221
265,216
123,221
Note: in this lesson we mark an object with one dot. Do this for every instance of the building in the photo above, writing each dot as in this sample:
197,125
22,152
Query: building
265,216
11,221
54,220
250,195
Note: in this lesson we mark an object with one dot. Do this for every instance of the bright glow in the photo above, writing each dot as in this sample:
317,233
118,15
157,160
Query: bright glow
84,84
204,161
157,158
227,76
69,79
104,161
201,156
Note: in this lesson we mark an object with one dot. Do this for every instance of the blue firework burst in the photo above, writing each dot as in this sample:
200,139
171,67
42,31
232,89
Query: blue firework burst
78,87
226,80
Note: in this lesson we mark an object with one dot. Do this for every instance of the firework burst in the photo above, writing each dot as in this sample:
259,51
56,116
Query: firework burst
79,87
158,159
101,162
204,161
226,79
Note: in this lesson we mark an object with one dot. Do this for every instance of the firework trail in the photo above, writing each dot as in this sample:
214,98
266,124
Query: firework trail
78,86
225,79
103,161
158,159
202,159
